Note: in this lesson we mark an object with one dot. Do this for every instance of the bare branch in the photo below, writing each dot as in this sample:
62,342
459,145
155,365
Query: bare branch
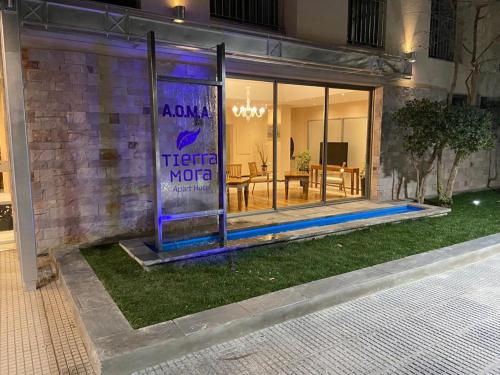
490,44
466,48
474,31
487,60
467,84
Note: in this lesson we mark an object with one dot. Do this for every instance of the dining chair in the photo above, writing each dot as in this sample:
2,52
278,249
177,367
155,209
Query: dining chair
336,178
233,170
257,177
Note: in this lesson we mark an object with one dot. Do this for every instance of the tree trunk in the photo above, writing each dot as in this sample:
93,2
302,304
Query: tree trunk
492,168
423,170
422,174
439,169
457,48
475,65
401,182
422,188
393,183
474,82
451,179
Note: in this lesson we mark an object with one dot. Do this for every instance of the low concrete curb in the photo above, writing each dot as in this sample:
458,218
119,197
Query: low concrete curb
116,348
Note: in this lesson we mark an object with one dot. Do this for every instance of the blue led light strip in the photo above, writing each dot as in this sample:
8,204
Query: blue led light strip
239,234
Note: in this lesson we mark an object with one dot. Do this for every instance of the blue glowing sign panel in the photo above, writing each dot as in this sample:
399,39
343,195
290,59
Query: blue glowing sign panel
187,124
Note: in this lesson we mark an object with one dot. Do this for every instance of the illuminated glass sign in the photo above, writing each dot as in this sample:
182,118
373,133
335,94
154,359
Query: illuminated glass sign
186,167
187,126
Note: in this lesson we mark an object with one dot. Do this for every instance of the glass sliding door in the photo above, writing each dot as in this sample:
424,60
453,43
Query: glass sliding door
304,160
300,124
249,145
346,150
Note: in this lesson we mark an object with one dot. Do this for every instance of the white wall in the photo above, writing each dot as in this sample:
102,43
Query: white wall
325,22
242,139
322,21
354,131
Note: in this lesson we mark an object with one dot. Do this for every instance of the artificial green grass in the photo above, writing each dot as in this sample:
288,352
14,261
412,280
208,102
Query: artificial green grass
172,291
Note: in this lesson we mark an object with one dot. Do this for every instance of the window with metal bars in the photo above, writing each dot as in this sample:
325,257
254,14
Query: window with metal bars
366,25
255,12
442,30
124,3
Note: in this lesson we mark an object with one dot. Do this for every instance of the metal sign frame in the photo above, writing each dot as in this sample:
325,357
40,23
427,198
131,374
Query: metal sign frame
221,212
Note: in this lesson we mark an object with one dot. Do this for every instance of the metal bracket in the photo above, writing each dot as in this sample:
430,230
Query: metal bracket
33,11
117,23
274,48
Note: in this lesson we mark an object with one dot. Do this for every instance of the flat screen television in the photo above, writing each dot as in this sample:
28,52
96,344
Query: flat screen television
336,153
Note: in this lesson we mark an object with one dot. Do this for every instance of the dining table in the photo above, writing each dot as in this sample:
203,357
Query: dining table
241,185
314,170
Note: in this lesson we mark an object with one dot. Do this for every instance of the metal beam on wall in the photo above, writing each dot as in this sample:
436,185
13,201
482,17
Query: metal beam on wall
121,23
18,146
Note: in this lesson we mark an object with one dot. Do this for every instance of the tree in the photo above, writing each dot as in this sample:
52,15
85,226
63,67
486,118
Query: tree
469,129
422,127
428,128
477,49
478,57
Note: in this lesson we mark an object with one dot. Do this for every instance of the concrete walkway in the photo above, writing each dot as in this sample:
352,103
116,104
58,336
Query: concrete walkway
38,334
445,324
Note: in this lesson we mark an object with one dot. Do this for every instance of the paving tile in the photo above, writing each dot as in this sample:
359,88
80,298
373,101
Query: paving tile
38,334
443,324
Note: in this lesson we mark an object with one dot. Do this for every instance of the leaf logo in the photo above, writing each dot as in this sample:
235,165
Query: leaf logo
186,138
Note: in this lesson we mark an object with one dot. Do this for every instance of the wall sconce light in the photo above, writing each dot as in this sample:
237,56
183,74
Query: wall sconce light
179,13
410,56
11,5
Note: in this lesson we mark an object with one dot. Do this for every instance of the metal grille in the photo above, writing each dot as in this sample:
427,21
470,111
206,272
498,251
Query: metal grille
256,12
442,30
367,23
124,3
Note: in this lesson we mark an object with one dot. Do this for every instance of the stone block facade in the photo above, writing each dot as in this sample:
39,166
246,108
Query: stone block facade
88,122
90,146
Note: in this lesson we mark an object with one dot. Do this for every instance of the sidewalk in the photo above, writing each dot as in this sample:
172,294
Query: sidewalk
38,334
444,324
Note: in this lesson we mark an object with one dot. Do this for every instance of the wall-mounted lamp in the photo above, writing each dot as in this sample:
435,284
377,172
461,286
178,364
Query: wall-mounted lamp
11,5
179,13
410,56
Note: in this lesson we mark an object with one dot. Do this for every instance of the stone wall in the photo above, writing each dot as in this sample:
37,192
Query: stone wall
90,147
90,144
396,172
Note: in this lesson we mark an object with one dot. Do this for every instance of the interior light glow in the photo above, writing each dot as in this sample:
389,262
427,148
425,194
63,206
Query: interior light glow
247,111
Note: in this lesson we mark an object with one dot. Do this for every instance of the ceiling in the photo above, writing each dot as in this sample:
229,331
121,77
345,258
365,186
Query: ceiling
296,95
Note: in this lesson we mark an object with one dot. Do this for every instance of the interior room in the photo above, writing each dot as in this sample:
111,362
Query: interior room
299,141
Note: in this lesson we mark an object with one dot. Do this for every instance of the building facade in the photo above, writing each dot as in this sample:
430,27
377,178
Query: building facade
321,76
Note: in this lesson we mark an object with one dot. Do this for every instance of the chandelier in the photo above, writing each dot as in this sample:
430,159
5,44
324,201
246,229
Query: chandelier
247,111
